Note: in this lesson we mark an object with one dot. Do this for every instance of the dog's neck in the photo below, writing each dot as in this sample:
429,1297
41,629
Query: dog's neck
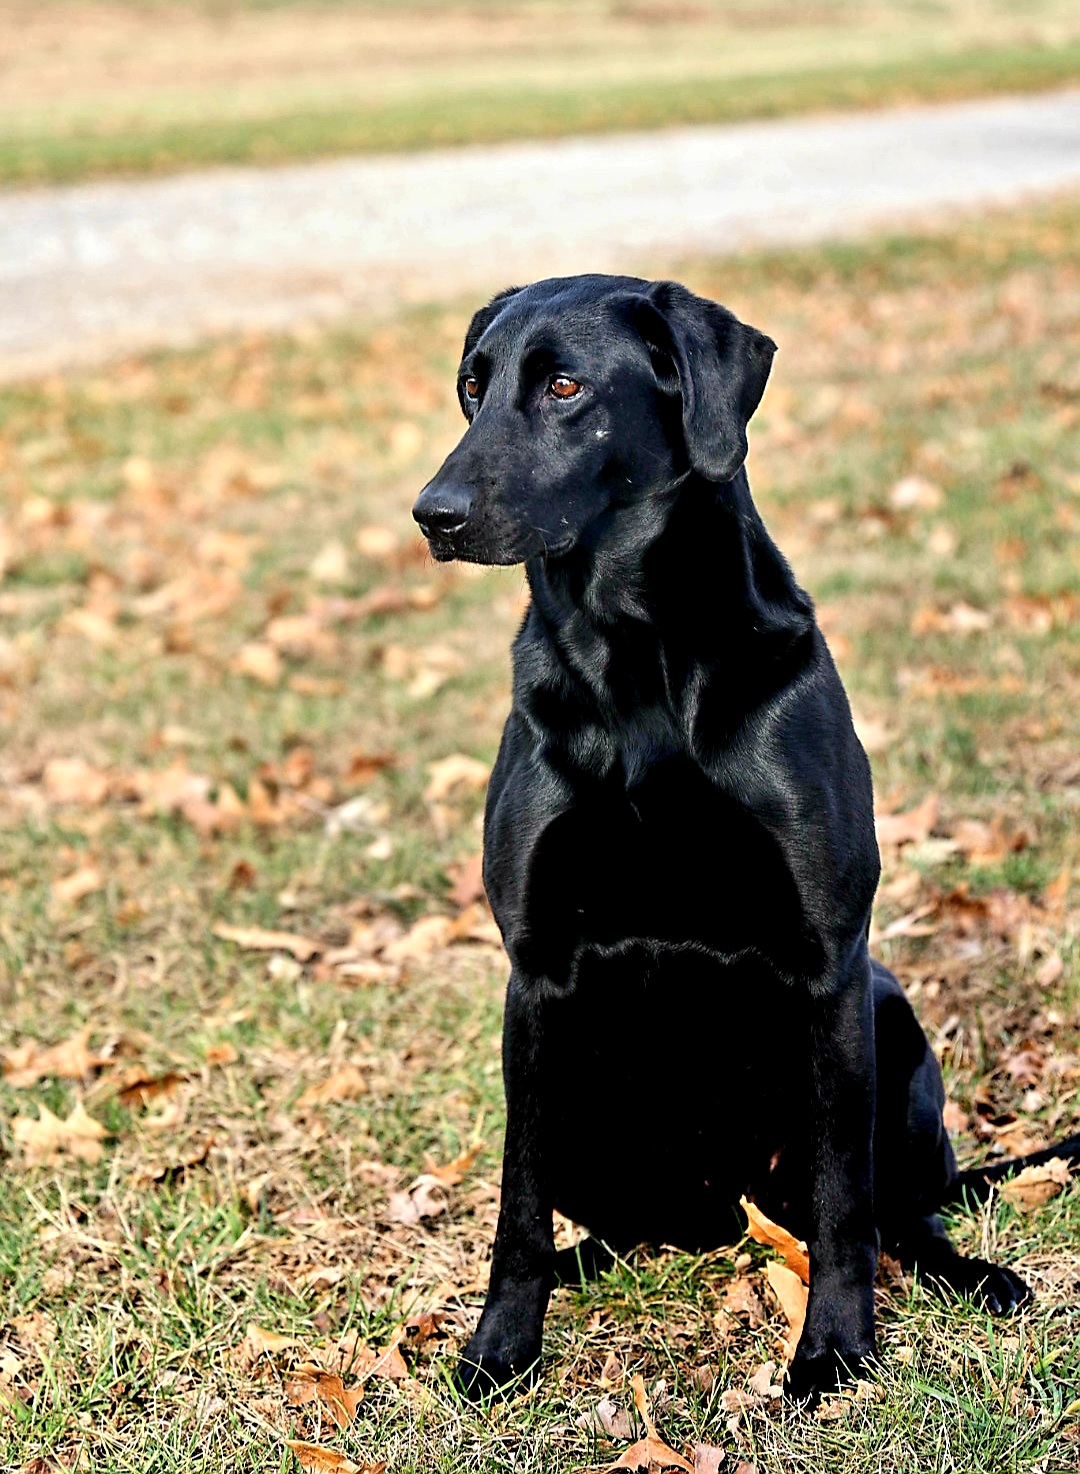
683,585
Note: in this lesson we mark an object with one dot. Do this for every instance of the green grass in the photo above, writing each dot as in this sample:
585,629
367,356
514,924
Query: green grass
136,89
492,115
158,516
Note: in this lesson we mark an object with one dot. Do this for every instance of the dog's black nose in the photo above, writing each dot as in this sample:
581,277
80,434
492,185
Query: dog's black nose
442,510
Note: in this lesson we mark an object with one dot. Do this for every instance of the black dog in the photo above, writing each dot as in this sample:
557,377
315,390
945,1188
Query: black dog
679,843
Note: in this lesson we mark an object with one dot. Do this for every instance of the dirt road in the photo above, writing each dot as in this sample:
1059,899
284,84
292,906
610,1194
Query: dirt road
92,270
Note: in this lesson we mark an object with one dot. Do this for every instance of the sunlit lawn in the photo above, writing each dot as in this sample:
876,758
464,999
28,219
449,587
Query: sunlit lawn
226,670
139,87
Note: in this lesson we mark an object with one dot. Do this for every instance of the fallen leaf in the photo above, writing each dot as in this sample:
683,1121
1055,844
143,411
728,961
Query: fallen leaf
908,828
453,773
468,880
426,1198
793,1294
175,1168
764,1231
221,1054
313,1383
453,1172
388,1363
363,766
763,1383
83,882
422,1327
330,564
607,1418
426,936
1025,1064
74,781
915,494
1035,1186
959,619
46,1140
376,542
260,1342
314,1459
707,1459
138,1088
388,599
255,939
650,1453
347,1083
70,1060
1050,970
911,925
741,1299
260,661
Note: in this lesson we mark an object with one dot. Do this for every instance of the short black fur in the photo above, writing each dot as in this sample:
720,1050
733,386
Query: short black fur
679,838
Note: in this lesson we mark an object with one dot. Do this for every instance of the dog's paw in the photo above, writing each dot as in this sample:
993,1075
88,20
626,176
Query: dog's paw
992,1286
481,1375
813,1376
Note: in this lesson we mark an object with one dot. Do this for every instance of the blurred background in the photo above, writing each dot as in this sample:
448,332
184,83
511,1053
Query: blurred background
250,1109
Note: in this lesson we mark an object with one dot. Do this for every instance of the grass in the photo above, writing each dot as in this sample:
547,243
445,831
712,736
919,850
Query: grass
162,518
136,88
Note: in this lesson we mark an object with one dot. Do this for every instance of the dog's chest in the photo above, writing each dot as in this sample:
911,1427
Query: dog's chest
670,860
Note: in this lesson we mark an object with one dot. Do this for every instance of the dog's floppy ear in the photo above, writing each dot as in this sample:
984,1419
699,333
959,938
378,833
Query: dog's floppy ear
482,320
720,366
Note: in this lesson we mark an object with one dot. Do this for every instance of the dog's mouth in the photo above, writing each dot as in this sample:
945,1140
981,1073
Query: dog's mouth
468,545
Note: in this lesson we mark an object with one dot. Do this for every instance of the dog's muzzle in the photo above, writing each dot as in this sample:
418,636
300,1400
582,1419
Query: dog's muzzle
442,512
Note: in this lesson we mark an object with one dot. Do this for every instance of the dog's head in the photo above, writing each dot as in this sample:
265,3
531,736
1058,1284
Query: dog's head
584,395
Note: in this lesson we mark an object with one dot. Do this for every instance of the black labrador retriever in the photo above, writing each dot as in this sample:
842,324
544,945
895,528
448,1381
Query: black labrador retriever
679,842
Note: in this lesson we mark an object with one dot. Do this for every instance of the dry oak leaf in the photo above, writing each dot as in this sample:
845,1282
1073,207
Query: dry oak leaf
426,1198
71,889
388,1363
468,880
347,1083
452,773
740,1298
71,780
1050,971
260,661
608,1419
48,1139
257,1342
314,1459
453,1172
70,1060
137,1087
650,1453
426,936
310,1383
1035,1186
912,827
172,1170
707,1458
764,1231
792,1294
255,939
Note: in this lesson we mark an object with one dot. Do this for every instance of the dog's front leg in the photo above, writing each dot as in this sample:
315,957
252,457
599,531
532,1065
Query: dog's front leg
506,1343
838,1337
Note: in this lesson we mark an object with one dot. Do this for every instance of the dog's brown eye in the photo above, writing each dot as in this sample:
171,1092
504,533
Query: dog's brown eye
471,387
564,387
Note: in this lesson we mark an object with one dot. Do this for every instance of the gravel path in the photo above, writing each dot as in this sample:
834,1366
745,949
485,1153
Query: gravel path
96,269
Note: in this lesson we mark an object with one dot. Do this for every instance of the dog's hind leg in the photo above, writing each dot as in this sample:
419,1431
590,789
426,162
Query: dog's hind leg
914,1166
925,1250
